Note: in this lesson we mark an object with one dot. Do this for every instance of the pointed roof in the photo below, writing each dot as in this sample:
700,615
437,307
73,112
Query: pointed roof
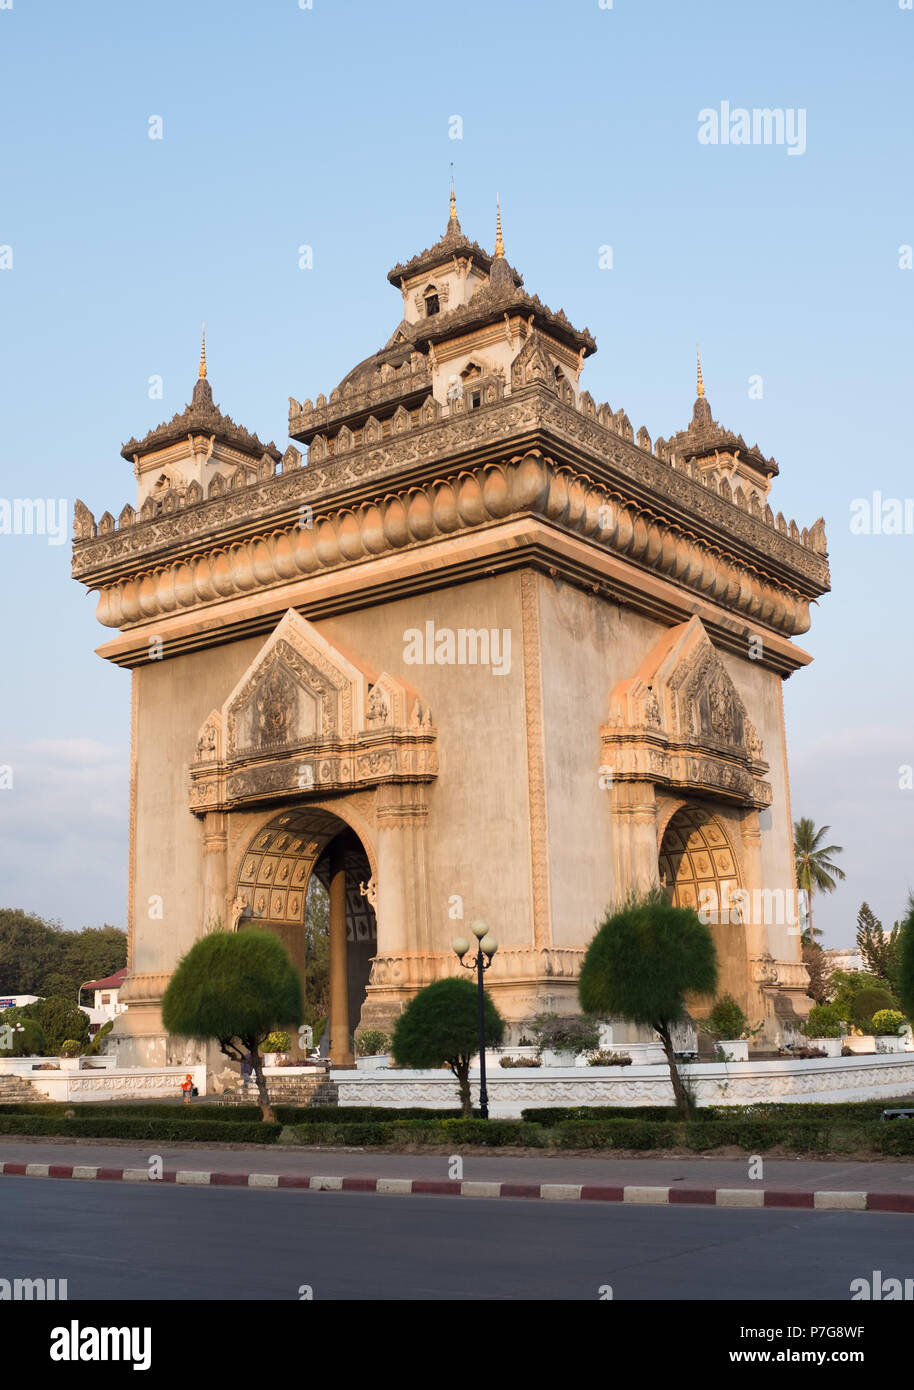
452,244
704,437
501,294
201,416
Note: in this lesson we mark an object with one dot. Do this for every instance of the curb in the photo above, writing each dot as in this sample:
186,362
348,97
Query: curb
731,1197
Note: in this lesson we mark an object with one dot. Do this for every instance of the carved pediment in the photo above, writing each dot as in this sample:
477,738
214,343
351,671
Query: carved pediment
533,365
680,721
305,718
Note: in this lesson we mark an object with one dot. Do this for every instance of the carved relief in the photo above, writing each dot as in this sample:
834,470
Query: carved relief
680,723
304,720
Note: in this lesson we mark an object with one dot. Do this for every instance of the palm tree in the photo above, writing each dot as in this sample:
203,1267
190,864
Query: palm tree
815,870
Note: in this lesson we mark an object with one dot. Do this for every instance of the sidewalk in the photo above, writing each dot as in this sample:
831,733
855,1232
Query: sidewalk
887,1185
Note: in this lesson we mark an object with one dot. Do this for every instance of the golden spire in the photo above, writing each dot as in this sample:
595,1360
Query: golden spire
452,216
701,384
499,243
202,372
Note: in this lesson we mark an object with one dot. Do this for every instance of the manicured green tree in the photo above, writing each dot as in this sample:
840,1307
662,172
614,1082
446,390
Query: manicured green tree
644,959
906,962
20,1037
440,1028
868,1002
60,1019
235,987
847,984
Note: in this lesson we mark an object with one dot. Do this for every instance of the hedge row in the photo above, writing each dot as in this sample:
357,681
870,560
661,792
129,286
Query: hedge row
753,1136
225,1114
861,1111
162,1110
357,1114
378,1133
120,1127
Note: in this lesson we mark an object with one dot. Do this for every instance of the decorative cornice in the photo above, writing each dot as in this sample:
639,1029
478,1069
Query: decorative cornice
566,499
728,522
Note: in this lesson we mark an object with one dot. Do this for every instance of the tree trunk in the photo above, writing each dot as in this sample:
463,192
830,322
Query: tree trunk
266,1110
461,1070
682,1096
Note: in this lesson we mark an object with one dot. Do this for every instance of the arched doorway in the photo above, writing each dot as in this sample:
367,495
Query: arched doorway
699,868
272,895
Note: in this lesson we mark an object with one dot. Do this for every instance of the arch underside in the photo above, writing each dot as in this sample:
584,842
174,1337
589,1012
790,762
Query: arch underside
698,863
273,881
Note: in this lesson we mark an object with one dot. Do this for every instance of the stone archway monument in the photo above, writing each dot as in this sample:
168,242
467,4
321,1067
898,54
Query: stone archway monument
601,623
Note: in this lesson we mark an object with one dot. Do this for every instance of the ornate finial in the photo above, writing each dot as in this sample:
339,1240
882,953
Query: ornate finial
701,385
202,372
499,243
452,216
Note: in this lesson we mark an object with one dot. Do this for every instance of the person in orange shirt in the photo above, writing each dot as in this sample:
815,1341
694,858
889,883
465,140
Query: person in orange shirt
187,1086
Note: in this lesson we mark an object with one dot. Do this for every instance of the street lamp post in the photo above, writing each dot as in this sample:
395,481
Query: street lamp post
485,951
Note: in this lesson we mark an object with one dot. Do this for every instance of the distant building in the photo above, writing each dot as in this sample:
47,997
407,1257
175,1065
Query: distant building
845,958
106,995
106,1007
17,1001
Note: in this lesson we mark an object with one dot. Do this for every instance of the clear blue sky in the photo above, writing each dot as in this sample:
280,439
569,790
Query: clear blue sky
330,127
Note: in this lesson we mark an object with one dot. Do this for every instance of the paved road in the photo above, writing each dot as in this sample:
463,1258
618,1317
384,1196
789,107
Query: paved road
784,1173
157,1243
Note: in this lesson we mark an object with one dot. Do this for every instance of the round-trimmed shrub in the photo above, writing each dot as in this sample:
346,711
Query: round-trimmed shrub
726,1019
372,1043
888,1022
823,1021
27,1039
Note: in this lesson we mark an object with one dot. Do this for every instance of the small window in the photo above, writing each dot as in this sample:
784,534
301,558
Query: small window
431,305
476,399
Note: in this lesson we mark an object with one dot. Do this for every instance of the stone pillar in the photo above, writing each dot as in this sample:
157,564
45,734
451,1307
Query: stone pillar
215,891
635,853
340,1049
407,947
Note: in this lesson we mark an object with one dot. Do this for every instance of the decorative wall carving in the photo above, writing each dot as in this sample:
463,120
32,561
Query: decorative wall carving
680,723
301,722
743,1083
